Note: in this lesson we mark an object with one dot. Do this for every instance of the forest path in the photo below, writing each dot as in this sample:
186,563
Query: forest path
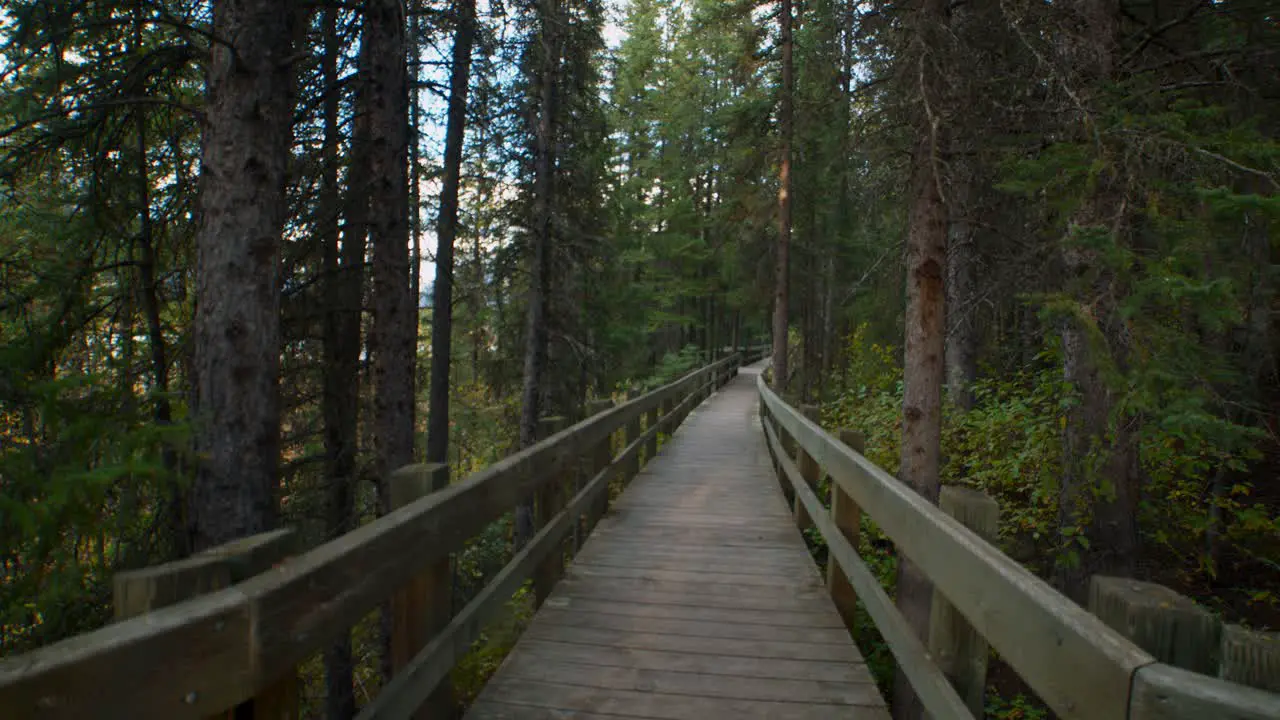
695,599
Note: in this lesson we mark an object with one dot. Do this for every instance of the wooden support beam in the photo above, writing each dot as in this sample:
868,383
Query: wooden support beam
138,592
632,468
847,517
1168,625
423,607
958,649
651,447
597,458
550,498
1251,657
809,470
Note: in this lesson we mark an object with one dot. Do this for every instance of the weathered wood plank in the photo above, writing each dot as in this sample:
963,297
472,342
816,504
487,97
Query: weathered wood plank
697,663
489,710
760,649
736,617
669,682
789,571
678,596
575,699
1164,692
579,617
718,579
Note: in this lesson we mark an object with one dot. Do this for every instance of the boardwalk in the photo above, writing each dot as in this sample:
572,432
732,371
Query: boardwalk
695,600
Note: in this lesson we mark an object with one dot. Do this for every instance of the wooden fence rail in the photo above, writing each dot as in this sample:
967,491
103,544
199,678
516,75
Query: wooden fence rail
1080,667
193,655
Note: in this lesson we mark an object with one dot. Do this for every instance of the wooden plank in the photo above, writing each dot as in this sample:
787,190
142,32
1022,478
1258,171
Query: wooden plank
761,537
777,618
575,699
489,710
1003,601
790,571
759,649
151,588
728,580
698,663
668,682
1164,692
578,617
776,595
193,656
931,685
736,557
682,597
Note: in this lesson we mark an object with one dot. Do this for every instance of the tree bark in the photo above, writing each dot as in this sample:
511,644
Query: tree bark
149,295
962,338
248,119
925,332
782,268
446,234
1098,495
343,258
536,336
394,331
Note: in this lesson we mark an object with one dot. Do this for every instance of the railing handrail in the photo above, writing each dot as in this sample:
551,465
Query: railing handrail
1078,665
207,654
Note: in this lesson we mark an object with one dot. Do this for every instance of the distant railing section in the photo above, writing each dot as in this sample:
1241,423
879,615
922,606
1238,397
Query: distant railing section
1079,665
228,628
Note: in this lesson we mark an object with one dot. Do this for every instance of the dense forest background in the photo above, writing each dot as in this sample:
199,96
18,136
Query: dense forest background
255,255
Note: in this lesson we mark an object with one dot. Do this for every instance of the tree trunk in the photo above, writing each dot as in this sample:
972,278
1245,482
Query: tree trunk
781,292
925,331
395,318
248,119
344,295
1098,496
535,354
962,338
446,234
149,295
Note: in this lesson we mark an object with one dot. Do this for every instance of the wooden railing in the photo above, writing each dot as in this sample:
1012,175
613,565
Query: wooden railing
228,628
1078,665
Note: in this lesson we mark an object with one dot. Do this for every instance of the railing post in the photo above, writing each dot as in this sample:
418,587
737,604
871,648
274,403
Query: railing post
651,447
961,653
848,520
1169,626
549,500
1251,657
424,606
809,470
596,459
786,446
633,433
138,592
